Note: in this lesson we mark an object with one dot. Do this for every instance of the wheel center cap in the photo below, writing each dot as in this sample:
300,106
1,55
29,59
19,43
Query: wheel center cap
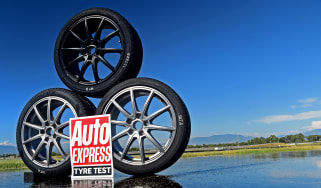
50,131
91,50
138,124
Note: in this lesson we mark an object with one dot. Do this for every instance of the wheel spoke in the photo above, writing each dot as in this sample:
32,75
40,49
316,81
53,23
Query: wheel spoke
62,153
63,125
126,148
157,113
147,103
110,36
38,114
73,49
76,60
99,29
110,50
105,62
121,123
60,112
87,30
49,110
77,37
83,70
154,141
48,153
140,141
122,110
37,127
32,139
158,127
61,135
133,101
95,71
119,135
38,149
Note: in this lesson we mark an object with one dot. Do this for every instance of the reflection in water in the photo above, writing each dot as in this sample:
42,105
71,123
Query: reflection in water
42,181
145,181
148,181
288,169
93,183
298,154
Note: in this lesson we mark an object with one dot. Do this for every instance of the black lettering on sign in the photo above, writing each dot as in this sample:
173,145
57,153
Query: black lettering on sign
92,170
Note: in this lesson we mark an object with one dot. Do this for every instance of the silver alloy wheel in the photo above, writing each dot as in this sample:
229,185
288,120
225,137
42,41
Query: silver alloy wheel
42,132
117,108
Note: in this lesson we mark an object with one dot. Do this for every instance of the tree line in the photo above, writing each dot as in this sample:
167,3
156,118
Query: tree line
297,138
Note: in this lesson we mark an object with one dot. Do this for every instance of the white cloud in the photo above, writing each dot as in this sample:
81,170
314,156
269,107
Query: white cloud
285,117
6,143
255,134
308,100
286,133
301,106
314,125
267,134
293,106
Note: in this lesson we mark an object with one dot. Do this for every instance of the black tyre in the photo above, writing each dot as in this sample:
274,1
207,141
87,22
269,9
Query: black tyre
150,125
43,130
96,49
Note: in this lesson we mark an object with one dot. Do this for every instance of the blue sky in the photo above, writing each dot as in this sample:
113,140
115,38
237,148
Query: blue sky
248,67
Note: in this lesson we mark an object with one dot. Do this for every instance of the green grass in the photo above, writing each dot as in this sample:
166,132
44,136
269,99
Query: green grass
9,164
255,151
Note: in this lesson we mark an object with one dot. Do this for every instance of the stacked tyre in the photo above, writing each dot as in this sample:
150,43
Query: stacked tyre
99,54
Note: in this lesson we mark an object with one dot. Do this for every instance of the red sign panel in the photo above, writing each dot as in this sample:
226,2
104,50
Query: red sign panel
90,147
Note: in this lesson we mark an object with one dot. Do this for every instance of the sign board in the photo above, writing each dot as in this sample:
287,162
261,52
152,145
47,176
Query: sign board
90,147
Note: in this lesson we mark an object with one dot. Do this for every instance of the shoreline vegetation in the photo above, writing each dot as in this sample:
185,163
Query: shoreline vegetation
257,149
17,163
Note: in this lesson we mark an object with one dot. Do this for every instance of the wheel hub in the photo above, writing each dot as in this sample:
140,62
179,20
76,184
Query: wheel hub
137,124
50,131
91,50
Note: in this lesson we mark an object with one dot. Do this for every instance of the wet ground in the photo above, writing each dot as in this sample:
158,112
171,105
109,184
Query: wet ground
292,169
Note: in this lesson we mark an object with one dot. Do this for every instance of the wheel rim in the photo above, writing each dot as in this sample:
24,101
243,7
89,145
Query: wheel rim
138,125
45,131
88,42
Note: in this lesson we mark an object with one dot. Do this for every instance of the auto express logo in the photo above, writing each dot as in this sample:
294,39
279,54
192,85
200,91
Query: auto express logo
90,146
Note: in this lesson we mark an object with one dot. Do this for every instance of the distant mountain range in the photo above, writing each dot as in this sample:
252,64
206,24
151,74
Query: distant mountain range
233,138
313,132
8,150
217,139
